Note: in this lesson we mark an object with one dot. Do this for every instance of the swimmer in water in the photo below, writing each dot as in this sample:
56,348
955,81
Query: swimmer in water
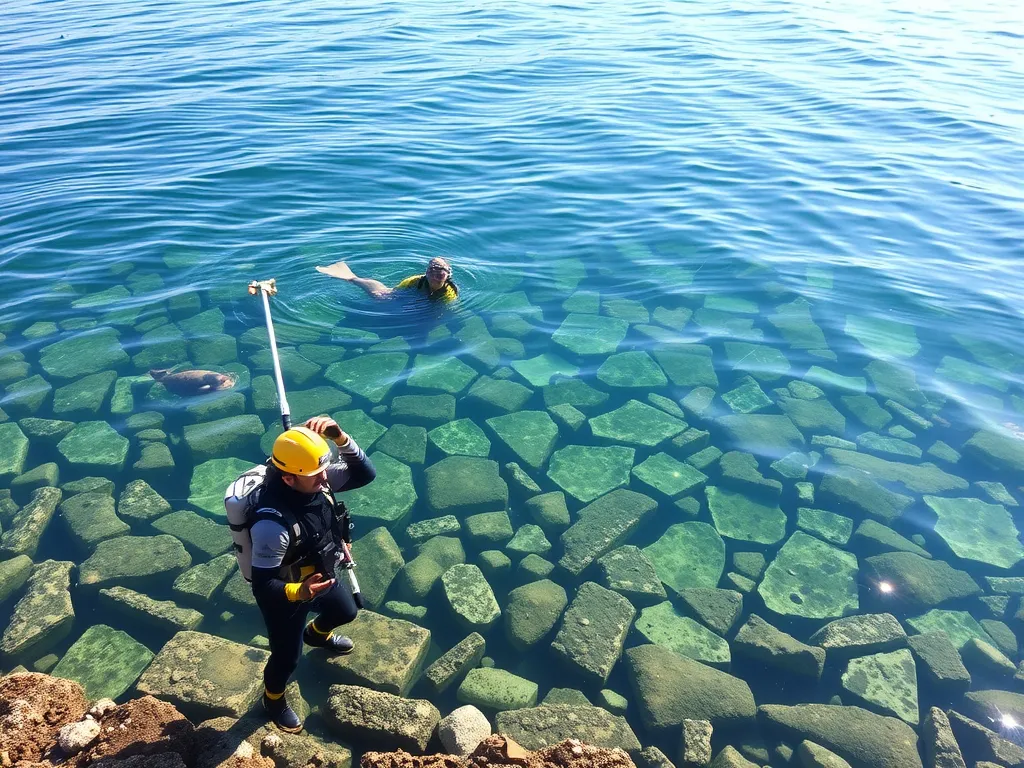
435,284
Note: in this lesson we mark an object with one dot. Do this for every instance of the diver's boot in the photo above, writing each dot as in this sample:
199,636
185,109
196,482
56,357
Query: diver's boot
335,643
280,713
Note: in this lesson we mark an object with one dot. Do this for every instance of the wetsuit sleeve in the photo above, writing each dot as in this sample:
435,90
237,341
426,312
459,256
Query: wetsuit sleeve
269,547
450,294
352,470
409,282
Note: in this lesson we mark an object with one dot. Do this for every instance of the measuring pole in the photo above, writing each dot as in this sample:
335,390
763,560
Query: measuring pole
266,289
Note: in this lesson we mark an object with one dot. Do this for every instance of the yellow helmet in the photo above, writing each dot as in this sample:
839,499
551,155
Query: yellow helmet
300,451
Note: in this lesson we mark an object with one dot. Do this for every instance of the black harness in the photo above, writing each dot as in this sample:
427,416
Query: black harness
425,284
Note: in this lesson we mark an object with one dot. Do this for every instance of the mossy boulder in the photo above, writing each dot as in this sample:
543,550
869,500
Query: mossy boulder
628,571
470,597
370,376
601,526
593,631
462,485
440,372
421,530
529,539
14,572
741,517
44,614
199,584
740,471
454,663
201,536
532,612
630,370
139,503
576,393
718,609
746,397
215,439
760,641
586,472
667,476
421,573
921,584
43,476
83,398
959,626
550,724
495,690
405,443
810,579
851,489
974,530
886,682
919,478
95,446
48,432
688,365
460,438
389,499
768,434
206,488
860,636
549,511
531,435
104,661
85,353
90,519
663,625
507,396
134,561
30,523
380,719
688,555
997,449
379,559
636,423
817,417
585,334
23,397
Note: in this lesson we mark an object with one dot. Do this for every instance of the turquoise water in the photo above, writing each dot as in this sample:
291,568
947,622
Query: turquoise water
701,173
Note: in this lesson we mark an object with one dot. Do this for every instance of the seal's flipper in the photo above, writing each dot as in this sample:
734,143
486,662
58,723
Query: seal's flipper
339,270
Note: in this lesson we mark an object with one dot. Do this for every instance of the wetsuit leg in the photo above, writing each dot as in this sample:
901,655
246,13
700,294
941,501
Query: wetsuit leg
335,608
285,623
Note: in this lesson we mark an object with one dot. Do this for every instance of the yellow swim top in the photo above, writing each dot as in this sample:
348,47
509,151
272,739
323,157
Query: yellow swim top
447,293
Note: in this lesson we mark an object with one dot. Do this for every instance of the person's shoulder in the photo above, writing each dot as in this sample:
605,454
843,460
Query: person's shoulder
451,293
410,282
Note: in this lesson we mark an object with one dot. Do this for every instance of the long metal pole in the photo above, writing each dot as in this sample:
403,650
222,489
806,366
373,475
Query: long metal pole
266,288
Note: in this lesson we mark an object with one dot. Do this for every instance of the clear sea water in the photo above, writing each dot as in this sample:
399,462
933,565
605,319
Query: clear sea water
722,158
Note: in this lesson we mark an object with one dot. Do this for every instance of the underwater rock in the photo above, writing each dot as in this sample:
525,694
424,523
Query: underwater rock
747,397
388,654
738,516
104,661
601,526
531,435
760,641
670,688
377,718
550,724
30,523
871,441
920,478
593,631
662,625
882,337
83,398
688,555
462,730
997,492
44,614
200,535
920,583
668,476
420,531
858,491
135,561
814,416
538,371
769,434
163,615
48,432
155,461
631,370
460,438
895,382
44,476
636,423
370,376
986,661
885,681
386,501
586,472
454,663
379,559
462,485
405,443
214,439
13,574
140,504
80,355
529,539
749,564
740,470
666,404
861,737
162,347
688,365
470,598
90,519
698,401
873,538
940,747
811,579
205,676
628,571
363,429
764,363
1002,636
25,396
860,636
718,609
521,481
998,450
95,446
867,411
532,568
959,626
977,531
704,459
495,690
440,372
532,612
794,466
979,741
567,416
730,757
420,574
576,393
206,488
488,528
585,334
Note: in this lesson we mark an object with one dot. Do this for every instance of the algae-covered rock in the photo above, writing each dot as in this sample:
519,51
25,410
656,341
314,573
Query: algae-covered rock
586,472
206,488
668,476
997,449
532,568
389,499
867,411
829,526
631,369
636,423
532,612
920,583
495,690
43,476
201,582
538,371
214,439
959,626
380,719
669,688
987,661
763,363
549,724
95,446
488,529
814,416
90,519
861,737
454,663
387,654
139,503
628,571
83,398
134,561
462,485
48,432
688,555
370,376
740,470
420,574
873,538
440,372
870,441
568,417
425,410
768,434
811,579
688,365
470,597
104,661
584,334
200,535
746,397
603,525
883,337
576,393
920,478
858,491
940,747
718,609
860,635
29,523
978,740
885,681
549,511
977,531
14,572
379,560
460,438
738,516
205,676
44,614
80,355
530,434
759,640
593,631
23,397
507,396
529,539
663,625
155,461
405,443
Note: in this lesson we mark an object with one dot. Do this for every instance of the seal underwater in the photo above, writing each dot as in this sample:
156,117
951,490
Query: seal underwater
192,382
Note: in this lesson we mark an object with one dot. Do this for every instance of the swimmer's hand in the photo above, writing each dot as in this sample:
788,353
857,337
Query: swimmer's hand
339,270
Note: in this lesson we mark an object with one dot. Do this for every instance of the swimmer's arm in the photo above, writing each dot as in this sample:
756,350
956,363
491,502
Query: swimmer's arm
409,282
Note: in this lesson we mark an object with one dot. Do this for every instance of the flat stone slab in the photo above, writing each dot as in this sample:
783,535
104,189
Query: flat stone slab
405,443
636,423
829,526
861,635
463,485
139,503
379,560
740,517
424,410
997,449
507,396
593,632
663,625
370,376
760,641
443,373
688,365
920,583
380,719
601,526
454,663
389,499
44,614
134,561
628,571
886,681
90,519
586,472
199,534
854,489
460,438
94,446
585,334
747,397
140,609
766,434
470,597
920,478
576,393
550,724
766,364
883,337
209,482
977,531
13,574
631,370
959,626
215,439
669,476
538,371
530,434
812,579
30,523
104,661
688,555
495,690
86,353
206,676
388,653
421,573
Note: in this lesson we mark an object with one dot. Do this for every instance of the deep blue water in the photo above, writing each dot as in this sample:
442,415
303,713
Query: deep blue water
864,161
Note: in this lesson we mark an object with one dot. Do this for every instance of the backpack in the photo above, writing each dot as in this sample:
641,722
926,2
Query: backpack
241,499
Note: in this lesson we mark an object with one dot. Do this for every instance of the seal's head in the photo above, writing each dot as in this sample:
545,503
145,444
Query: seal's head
439,271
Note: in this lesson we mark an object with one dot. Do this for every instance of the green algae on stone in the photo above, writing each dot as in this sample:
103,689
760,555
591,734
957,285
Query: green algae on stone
460,438
221,405
44,614
630,370
84,397
440,372
593,632
104,661
363,429
30,523
856,490
668,405
996,449
201,582
463,485
530,434
405,443
749,564
802,390
90,519
206,488
163,347
538,371
532,611
921,478
380,560
533,568
583,301
630,310
857,385
913,418
371,376
997,492
959,626
494,564
698,401
715,322
794,466
568,416
529,539
135,561
986,660
636,423
717,609
833,528
521,481
386,501
425,410
470,597
815,416
576,393
507,396
200,535
14,451
966,372
763,433
495,690
43,476
421,530
883,337
488,528
896,382
549,511
628,571
810,579
585,334
420,574
46,431
668,476
673,319
860,635
741,470
586,472
885,681
14,572
80,355
663,625
747,397
867,411
688,365
214,439
870,441
740,517
766,364
24,397
920,583
977,531
760,641
690,554
601,526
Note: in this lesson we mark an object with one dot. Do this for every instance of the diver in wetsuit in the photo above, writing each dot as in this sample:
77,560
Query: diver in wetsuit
435,284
